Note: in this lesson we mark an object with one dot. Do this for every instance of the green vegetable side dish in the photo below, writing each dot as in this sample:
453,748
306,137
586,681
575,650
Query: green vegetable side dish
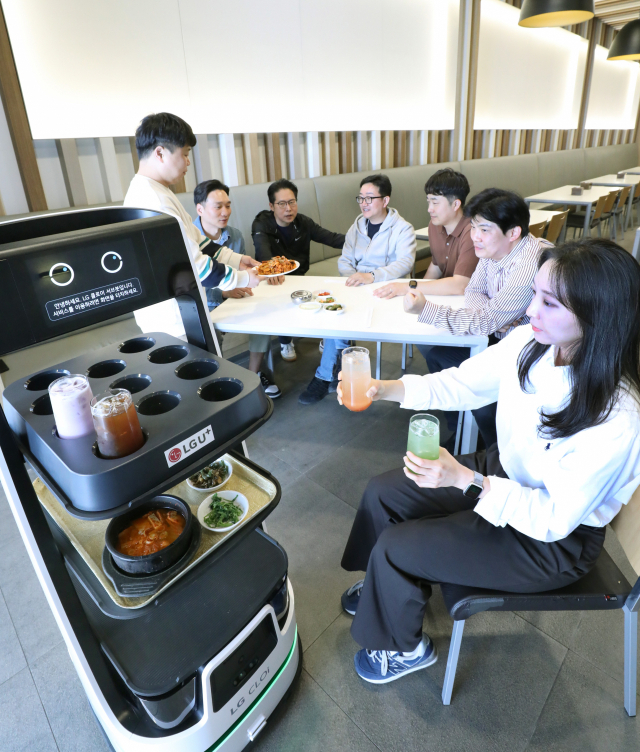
223,513
336,307
210,476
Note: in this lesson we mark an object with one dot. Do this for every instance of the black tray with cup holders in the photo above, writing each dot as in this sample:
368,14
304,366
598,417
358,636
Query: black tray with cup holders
193,406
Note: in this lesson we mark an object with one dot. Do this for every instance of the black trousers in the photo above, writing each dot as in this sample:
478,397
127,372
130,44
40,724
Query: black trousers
441,357
407,537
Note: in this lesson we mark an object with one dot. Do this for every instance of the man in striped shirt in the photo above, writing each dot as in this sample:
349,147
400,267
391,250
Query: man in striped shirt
498,293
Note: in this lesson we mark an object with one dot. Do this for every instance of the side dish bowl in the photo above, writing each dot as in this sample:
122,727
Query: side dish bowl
240,501
213,488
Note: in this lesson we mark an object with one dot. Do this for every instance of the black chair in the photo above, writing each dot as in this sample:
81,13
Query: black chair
605,588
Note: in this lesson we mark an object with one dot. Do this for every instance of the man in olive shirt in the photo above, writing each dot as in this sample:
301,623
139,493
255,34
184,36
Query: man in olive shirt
453,259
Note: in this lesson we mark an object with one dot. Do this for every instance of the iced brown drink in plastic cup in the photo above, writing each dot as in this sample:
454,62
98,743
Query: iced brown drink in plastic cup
71,403
116,422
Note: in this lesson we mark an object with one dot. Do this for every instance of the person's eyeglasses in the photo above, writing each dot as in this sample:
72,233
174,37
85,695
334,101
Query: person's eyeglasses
367,199
282,204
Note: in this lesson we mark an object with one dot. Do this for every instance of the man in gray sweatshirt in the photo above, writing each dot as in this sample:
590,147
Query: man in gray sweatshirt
379,246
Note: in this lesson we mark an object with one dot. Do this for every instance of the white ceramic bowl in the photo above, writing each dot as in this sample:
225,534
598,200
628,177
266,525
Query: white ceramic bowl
322,298
312,307
204,509
213,488
339,312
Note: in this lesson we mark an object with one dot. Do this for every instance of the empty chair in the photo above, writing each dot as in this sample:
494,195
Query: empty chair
607,213
554,228
537,229
634,204
620,208
605,588
576,221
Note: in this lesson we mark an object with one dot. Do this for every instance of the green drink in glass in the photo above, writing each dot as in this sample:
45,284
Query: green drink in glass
424,436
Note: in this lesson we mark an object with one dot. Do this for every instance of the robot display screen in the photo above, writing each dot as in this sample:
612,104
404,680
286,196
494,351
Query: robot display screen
78,280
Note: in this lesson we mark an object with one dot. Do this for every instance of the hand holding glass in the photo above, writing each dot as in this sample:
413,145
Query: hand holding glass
356,378
424,436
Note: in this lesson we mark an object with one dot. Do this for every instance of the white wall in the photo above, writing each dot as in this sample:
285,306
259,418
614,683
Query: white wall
12,198
94,69
527,78
615,92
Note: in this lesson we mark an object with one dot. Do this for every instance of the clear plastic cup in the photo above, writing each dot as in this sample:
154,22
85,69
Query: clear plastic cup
116,422
356,378
424,436
71,403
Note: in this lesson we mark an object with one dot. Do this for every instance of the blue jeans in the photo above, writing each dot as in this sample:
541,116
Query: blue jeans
330,358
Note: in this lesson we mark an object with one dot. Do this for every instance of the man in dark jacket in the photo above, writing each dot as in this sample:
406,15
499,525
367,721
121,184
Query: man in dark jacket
281,231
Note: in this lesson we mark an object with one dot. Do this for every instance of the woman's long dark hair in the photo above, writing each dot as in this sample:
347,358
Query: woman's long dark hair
599,282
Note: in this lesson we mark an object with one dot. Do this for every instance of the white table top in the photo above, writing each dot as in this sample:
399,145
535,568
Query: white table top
563,195
541,215
423,233
633,170
271,311
613,179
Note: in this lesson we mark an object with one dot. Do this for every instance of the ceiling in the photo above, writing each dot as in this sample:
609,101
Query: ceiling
617,13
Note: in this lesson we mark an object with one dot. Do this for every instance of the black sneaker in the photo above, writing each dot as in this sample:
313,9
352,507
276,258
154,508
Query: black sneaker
270,389
316,391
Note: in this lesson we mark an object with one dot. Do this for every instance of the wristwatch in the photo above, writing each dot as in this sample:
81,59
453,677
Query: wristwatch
474,489
413,284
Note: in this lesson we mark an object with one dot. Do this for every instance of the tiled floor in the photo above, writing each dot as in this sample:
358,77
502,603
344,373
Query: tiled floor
537,682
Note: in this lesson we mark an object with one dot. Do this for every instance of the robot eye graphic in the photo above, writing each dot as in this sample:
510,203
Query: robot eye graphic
61,274
111,262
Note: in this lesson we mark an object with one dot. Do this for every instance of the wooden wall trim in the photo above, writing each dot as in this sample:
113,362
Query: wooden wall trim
466,78
595,25
18,123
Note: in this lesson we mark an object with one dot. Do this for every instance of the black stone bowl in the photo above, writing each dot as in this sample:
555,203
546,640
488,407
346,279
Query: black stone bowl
166,557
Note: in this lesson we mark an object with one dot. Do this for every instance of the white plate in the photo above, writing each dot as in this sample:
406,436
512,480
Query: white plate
280,274
204,509
213,488
312,307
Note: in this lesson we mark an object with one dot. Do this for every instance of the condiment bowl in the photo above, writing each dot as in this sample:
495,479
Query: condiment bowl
213,488
312,307
204,509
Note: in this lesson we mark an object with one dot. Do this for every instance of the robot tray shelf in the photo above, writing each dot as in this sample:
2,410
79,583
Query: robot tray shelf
192,406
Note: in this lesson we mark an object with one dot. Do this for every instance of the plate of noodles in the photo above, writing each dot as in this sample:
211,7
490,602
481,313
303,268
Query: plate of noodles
277,266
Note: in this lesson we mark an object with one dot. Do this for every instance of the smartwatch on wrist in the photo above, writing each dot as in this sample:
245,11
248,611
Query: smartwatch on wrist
474,489
413,284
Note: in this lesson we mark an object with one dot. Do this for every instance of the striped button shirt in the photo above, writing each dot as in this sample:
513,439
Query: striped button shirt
498,294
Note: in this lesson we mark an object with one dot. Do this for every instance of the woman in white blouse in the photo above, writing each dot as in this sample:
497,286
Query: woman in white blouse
528,514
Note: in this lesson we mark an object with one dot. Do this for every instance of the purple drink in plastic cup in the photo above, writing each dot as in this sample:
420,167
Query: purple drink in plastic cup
71,402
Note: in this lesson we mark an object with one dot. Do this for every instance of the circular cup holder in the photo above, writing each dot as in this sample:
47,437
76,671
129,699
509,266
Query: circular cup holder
42,381
42,406
133,383
220,390
168,354
158,403
96,451
106,368
197,369
136,345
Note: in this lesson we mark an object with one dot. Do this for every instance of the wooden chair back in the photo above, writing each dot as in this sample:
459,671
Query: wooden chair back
556,224
599,208
626,525
610,201
537,229
624,197
636,194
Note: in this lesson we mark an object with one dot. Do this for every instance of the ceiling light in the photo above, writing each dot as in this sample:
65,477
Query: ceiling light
626,45
538,13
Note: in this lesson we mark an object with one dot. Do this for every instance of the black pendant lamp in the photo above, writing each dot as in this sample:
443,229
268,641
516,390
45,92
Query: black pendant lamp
626,45
538,13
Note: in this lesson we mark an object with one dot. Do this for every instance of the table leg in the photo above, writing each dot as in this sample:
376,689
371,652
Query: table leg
378,360
469,442
587,221
632,193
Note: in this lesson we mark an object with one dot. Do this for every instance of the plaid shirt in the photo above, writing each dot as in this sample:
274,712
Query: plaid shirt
497,296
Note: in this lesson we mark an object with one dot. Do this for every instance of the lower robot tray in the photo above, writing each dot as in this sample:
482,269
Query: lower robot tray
88,537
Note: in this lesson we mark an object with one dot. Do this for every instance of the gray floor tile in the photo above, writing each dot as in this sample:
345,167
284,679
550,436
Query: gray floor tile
30,613
561,625
506,671
599,639
12,658
311,722
312,526
281,470
585,712
23,723
65,703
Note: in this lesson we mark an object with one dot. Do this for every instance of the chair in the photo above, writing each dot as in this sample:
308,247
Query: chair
537,229
576,221
555,226
636,245
605,588
635,203
608,212
620,208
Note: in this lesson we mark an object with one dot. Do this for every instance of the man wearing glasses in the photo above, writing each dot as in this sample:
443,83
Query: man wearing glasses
281,231
380,245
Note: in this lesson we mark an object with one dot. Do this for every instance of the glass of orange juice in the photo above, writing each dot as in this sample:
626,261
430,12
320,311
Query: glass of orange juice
356,378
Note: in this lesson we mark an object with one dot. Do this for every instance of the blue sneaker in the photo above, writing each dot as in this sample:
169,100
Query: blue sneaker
382,666
351,598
